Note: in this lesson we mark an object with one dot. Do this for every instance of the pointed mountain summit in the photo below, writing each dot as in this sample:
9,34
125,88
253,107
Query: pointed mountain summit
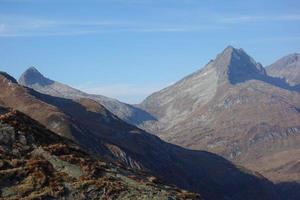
32,76
237,66
34,79
233,108
287,67
230,67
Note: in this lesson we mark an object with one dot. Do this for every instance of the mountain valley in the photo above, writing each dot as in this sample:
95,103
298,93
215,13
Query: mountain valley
230,116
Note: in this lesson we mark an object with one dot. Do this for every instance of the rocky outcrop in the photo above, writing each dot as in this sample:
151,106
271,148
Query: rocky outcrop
38,164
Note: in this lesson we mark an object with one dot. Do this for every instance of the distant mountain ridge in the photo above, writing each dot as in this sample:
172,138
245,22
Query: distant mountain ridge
197,110
32,76
34,79
233,107
97,130
288,68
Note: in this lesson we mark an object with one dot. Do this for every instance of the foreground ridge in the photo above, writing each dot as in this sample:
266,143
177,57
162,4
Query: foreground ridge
38,164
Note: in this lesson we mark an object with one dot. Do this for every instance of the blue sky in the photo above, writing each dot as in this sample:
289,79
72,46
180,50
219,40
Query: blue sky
129,48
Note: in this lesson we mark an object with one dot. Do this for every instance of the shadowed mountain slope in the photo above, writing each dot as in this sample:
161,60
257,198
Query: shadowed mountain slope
97,130
233,108
34,79
38,164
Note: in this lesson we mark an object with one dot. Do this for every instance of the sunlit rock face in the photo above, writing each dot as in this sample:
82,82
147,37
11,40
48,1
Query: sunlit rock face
34,79
288,68
233,108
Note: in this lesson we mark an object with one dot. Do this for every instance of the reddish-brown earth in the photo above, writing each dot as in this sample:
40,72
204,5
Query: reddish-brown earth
35,163
97,130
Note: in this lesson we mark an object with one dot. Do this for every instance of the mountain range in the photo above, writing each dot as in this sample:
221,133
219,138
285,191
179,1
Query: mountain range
34,79
233,107
101,133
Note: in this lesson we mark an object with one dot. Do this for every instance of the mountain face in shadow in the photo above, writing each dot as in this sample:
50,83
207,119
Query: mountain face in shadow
98,131
289,190
34,79
38,164
235,66
240,67
232,107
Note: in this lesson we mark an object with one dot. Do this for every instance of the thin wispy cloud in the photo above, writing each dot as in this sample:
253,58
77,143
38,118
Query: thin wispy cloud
159,30
246,19
14,26
22,26
267,40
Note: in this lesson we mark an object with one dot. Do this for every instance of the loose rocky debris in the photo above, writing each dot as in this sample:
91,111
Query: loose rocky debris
38,164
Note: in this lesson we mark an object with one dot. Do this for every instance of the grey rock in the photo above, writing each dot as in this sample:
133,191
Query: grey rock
232,107
288,68
34,79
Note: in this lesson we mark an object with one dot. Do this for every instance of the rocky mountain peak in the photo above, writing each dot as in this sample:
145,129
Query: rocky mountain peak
235,65
230,49
230,52
287,68
295,57
291,59
230,67
32,76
